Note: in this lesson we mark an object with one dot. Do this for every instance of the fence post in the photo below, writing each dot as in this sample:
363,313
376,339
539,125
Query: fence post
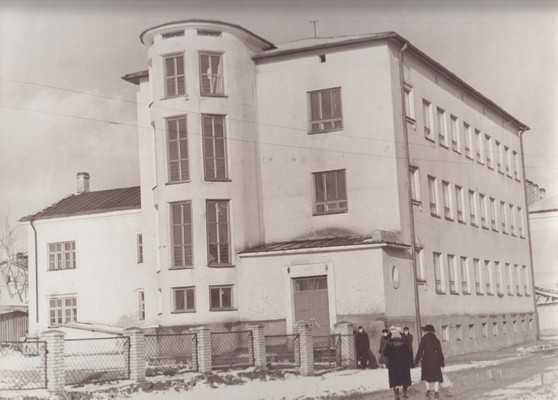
55,361
306,348
348,354
204,348
258,343
136,355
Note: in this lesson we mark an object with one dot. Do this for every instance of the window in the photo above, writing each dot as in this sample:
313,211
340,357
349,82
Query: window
139,242
448,211
211,74
419,260
459,333
459,203
442,129
480,147
495,328
62,310
509,279
525,281
488,277
498,272
484,329
511,215
173,34
438,278
520,221
455,142
471,331
507,160
218,233
61,255
445,333
175,83
177,143
409,102
488,151
415,184
325,110
205,32
330,192
516,165
427,116
468,133
472,208
181,220
221,297
493,213
159,301
514,322
498,156
183,299
464,266
530,324
517,280
433,190
482,204
505,327
214,147
141,305
504,217
478,275
452,273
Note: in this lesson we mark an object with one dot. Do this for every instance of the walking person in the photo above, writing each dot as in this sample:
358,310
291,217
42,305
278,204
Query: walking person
362,348
399,362
408,338
382,360
430,352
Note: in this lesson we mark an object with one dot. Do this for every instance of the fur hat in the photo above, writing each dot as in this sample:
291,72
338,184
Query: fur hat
429,328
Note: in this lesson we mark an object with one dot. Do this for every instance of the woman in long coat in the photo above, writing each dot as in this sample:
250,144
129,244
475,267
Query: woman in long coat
362,347
399,362
383,341
430,352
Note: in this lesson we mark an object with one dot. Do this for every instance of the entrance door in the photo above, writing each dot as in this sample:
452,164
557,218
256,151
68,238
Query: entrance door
311,303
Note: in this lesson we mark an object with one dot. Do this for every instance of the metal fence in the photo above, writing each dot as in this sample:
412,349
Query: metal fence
232,349
96,360
170,354
23,365
282,350
327,351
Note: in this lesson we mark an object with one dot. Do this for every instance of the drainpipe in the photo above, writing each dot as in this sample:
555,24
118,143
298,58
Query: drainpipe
409,193
533,294
36,274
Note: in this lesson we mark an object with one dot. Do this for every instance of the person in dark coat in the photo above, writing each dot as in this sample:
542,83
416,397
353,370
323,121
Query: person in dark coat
408,338
362,348
399,362
383,361
430,352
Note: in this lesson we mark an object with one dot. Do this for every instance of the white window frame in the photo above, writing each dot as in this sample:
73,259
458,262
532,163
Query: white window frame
415,184
427,117
512,223
517,280
504,217
419,260
489,277
439,278
319,123
498,273
477,269
433,193
460,204
488,151
441,120
509,279
526,290
473,208
214,231
409,101
176,79
215,157
455,134
182,248
139,244
184,291
141,305
64,311
479,146
448,200
469,146
483,211
445,333
452,274
62,255
494,214
221,289
498,148
338,204
464,269
178,165
212,83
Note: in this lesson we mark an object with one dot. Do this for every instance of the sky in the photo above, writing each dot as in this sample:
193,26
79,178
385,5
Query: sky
64,107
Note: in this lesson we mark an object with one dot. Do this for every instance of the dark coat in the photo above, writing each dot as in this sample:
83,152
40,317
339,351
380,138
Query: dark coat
409,340
383,342
430,352
399,362
363,349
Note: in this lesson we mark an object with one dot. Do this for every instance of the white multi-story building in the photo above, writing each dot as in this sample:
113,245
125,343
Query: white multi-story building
326,180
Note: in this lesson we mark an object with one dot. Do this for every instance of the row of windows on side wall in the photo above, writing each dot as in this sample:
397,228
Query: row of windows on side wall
454,333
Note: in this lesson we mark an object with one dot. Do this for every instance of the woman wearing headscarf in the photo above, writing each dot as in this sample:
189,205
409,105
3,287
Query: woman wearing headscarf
399,362
430,352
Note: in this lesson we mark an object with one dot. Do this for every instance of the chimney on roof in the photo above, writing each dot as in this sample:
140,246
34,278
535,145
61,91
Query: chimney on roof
82,182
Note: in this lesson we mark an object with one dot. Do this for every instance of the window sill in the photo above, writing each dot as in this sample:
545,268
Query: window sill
454,293
449,219
217,180
500,295
181,267
416,202
439,292
61,269
457,151
220,265
170,183
421,281
466,293
495,230
490,167
222,309
470,158
410,120
183,312
330,213
485,228
214,95
462,221
474,225
480,294
501,172
175,97
445,146
324,131
480,162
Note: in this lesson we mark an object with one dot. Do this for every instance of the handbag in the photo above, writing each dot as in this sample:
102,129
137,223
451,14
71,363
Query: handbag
447,383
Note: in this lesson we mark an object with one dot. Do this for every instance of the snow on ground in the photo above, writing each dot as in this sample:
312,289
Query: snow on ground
541,387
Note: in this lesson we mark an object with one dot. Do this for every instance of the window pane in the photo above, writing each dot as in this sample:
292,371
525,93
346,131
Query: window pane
169,66
336,103
179,299
326,105
190,304
315,106
320,190
331,187
226,297
215,298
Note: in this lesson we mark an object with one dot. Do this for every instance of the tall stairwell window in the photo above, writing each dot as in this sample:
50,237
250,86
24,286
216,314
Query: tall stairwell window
177,144
175,81
214,147
181,220
218,233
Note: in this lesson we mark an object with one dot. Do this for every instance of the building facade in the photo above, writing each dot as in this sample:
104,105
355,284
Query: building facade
327,180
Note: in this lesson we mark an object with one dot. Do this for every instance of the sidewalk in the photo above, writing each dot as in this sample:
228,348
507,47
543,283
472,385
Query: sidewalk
256,384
